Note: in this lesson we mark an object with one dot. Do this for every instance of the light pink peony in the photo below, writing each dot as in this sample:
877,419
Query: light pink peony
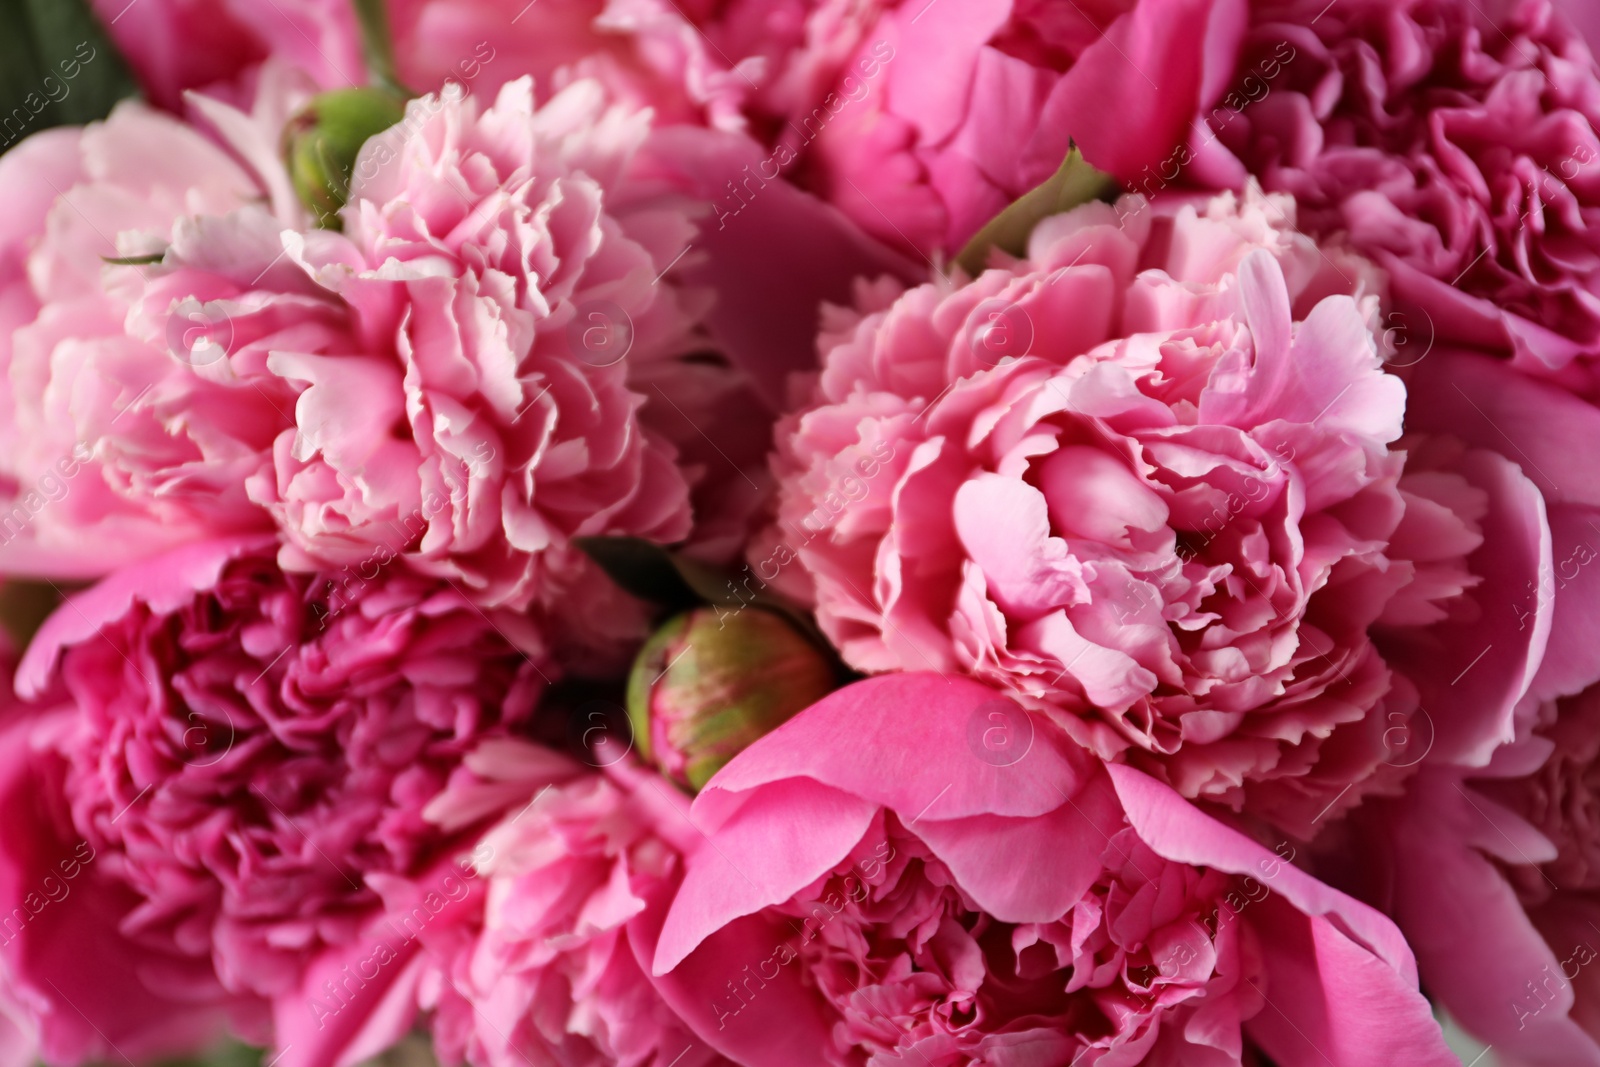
877,888
499,301
1149,479
502,303
542,969
122,431
1453,143
240,748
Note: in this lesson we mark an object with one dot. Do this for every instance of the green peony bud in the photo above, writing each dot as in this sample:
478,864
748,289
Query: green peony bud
703,689
320,144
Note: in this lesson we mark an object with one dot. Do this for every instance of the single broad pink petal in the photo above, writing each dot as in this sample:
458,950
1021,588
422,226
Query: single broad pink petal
1475,945
1472,672
1030,869
31,175
19,1046
769,306
1178,830
1330,1000
1154,62
933,92
779,840
1535,425
1571,660
741,991
340,1016
1585,16
854,740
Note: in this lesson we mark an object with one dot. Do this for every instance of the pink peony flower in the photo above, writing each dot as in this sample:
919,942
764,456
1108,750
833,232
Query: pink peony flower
1493,871
60,906
501,303
647,52
122,432
240,748
1150,480
877,887
923,120
499,300
543,969
1454,144
177,45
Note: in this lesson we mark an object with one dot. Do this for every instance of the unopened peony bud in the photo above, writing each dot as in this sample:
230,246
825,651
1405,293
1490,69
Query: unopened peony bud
320,144
704,688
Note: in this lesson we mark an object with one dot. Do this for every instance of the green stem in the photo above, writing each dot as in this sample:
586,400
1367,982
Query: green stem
377,45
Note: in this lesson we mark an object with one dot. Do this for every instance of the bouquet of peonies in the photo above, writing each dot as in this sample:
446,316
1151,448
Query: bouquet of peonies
859,533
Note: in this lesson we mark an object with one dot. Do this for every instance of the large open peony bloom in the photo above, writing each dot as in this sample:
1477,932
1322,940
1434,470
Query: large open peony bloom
239,749
499,300
505,299
877,889
123,432
1493,872
1453,143
1148,479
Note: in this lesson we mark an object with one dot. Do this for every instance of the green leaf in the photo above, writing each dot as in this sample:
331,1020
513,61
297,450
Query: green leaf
642,568
135,261
57,68
1074,183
